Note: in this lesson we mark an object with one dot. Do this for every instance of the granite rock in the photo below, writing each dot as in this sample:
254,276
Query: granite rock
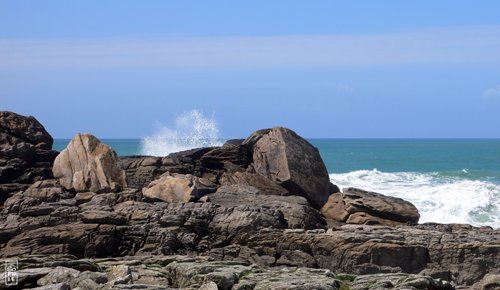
357,206
281,155
178,188
88,165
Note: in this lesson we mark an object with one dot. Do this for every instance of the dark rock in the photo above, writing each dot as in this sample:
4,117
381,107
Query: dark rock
357,206
26,277
295,210
215,158
262,212
281,155
28,129
25,153
233,143
103,217
260,183
251,228
209,163
397,281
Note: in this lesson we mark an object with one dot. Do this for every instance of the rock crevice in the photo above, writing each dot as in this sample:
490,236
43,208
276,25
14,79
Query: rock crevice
240,216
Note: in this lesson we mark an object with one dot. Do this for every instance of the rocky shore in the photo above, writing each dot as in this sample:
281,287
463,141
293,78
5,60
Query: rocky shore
259,213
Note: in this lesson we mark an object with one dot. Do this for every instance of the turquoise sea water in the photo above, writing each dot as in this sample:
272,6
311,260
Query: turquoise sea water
449,180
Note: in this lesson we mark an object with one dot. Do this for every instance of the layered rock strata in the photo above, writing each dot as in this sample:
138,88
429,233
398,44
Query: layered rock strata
228,208
185,272
357,206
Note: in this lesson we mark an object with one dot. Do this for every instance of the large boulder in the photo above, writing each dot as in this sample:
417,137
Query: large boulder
281,155
25,153
25,129
88,165
357,206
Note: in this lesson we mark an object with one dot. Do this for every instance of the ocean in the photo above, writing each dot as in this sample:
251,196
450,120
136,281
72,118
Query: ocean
448,180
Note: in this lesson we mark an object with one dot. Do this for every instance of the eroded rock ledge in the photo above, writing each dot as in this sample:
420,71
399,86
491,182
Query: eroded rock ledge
249,202
202,272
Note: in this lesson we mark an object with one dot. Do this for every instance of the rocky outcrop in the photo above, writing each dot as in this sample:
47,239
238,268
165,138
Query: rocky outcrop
489,282
280,155
261,184
238,224
234,215
141,171
276,161
26,153
178,188
26,130
357,206
185,272
296,211
88,165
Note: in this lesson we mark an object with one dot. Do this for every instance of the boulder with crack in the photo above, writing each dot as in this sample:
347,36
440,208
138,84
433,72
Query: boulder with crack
89,165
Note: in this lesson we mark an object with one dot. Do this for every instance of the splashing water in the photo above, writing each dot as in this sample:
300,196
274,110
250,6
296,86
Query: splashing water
440,197
192,130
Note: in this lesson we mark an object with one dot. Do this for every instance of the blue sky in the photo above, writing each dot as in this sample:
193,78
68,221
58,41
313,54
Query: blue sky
365,69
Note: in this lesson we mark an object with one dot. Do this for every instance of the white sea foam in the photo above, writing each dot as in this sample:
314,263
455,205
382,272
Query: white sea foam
192,130
441,199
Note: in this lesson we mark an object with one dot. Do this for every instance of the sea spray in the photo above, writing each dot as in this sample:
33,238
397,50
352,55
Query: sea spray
192,130
440,197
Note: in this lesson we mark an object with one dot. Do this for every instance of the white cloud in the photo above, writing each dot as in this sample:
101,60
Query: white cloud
462,45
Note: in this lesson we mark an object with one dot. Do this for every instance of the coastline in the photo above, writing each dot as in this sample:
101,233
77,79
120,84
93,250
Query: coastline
445,168
266,201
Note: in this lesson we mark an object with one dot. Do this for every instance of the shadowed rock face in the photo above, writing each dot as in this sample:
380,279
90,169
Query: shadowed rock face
251,218
25,153
88,165
25,129
279,154
237,225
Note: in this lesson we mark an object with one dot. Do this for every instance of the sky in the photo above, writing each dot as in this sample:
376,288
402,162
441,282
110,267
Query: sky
326,69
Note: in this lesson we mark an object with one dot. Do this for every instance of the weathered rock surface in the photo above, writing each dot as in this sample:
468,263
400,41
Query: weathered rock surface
489,282
296,211
241,226
397,281
26,153
185,272
88,165
27,129
357,206
249,217
178,188
260,183
279,154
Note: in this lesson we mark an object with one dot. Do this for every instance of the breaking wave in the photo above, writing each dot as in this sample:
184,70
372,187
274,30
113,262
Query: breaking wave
192,130
440,197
